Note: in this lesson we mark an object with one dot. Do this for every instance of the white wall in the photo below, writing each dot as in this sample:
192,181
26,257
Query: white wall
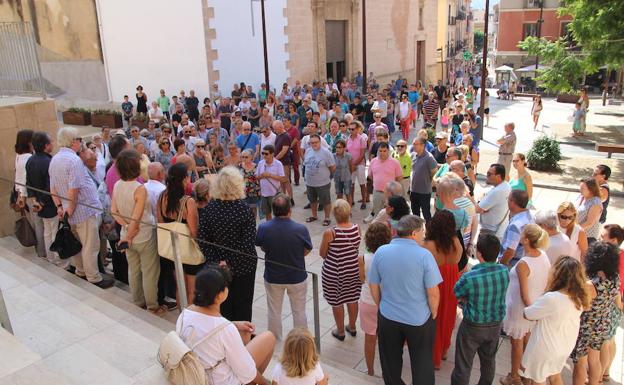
155,43
240,52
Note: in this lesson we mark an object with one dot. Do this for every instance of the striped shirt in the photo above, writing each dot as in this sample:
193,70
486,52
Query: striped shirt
483,290
68,172
340,273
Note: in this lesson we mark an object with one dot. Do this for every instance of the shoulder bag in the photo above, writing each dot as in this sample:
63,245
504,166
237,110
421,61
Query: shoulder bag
65,243
188,250
181,364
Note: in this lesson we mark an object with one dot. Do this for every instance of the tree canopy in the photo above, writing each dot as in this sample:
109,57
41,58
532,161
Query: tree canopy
596,40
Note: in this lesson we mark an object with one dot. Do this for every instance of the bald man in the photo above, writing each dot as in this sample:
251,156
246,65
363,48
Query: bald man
155,185
190,165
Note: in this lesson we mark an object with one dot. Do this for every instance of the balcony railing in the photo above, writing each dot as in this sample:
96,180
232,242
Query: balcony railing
461,15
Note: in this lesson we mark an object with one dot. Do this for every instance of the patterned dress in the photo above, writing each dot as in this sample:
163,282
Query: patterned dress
252,186
596,323
340,273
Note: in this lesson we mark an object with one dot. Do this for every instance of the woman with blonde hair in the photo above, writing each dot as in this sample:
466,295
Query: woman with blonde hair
527,281
523,180
566,214
340,273
558,316
228,232
300,363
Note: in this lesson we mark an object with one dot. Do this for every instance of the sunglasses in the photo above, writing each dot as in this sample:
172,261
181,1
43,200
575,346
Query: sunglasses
351,129
400,145
92,148
566,217
245,157
187,132
200,146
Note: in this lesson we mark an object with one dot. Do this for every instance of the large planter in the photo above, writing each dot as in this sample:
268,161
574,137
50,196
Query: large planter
139,123
567,98
110,120
77,118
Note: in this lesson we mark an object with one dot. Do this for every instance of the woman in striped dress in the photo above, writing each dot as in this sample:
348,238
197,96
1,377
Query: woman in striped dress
341,281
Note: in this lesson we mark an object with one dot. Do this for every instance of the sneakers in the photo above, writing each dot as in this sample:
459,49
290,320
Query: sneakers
169,305
105,283
369,218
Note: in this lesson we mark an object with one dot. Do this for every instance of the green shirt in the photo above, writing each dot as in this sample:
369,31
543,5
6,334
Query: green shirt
405,161
262,95
163,103
483,291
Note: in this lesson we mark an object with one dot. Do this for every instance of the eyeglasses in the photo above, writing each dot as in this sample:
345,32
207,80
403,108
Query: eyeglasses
566,217
92,148
245,157
343,125
165,142
187,132
200,146
352,129
400,145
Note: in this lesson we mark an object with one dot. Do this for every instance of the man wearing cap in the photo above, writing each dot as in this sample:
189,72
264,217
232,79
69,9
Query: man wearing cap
439,152
507,147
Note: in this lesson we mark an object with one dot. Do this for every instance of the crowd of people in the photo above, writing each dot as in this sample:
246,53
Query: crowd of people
550,281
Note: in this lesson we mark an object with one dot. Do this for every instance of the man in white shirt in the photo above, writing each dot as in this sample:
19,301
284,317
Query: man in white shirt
189,141
305,141
381,106
493,207
155,113
559,244
155,185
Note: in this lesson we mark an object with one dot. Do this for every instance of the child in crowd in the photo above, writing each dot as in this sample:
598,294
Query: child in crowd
127,108
444,119
578,119
299,364
342,175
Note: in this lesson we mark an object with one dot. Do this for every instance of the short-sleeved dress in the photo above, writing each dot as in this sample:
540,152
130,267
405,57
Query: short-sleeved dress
596,323
583,206
252,186
340,273
553,337
514,324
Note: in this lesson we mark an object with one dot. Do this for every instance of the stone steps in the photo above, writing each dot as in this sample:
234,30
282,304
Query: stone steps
68,331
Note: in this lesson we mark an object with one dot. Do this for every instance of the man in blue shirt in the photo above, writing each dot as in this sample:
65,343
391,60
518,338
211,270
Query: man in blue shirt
248,141
481,294
404,280
286,242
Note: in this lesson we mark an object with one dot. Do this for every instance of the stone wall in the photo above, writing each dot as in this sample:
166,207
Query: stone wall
15,114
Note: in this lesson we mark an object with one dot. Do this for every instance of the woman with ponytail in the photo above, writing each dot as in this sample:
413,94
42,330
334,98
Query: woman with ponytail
527,281
171,202
558,316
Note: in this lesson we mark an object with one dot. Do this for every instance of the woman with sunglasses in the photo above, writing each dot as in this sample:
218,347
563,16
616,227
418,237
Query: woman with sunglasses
566,213
164,155
252,185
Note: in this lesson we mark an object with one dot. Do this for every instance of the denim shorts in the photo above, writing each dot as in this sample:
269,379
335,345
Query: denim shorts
343,187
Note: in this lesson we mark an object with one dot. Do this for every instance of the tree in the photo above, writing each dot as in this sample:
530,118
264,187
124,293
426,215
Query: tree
597,28
565,69
479,38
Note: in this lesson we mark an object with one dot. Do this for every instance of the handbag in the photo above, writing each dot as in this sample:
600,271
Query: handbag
65,243
24,231
181,364
188,250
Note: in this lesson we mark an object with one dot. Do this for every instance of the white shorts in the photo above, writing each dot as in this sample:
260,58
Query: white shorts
359,175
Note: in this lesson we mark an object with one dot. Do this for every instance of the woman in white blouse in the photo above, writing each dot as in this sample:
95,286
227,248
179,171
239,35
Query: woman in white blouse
231,353
23,151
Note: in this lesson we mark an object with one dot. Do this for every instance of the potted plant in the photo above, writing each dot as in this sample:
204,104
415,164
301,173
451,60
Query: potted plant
108,118
77,116
140,120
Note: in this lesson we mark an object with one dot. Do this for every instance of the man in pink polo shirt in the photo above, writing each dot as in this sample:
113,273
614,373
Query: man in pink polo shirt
382,170
356,146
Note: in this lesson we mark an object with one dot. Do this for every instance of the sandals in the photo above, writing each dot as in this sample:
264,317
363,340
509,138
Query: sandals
353,331
337,336
311,219
326,222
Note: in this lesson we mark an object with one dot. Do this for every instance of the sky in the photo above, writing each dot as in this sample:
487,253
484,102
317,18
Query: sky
480,4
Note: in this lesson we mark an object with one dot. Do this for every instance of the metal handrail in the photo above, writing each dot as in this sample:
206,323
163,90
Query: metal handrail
178,262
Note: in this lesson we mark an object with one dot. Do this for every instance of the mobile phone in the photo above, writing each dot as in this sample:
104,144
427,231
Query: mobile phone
122,246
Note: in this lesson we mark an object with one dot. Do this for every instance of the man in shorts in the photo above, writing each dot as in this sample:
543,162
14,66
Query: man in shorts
319,164
270,173
342,176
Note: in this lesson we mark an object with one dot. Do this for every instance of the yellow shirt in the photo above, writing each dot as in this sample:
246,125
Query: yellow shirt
405,161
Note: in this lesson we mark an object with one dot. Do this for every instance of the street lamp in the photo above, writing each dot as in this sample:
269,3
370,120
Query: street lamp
264,46
484,64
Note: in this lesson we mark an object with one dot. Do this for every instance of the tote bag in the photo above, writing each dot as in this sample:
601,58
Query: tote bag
188,250
24,232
